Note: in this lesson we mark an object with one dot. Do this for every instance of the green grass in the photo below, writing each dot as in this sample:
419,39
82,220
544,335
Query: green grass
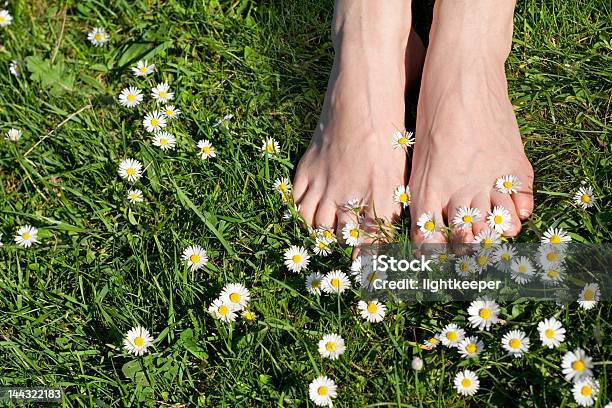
104,266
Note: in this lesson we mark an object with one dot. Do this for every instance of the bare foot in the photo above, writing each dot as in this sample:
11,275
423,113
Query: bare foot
466,133
351,154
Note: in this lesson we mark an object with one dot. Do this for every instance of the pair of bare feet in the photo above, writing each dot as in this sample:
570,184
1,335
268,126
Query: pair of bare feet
466,132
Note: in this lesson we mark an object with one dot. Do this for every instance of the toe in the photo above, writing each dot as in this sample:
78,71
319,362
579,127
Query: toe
523,202
326,214
308,206
482,201
505,201
300,187
459,235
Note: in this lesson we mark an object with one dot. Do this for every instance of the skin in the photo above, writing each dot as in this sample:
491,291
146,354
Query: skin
466,131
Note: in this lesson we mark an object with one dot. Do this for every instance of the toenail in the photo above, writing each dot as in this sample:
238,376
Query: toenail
525,213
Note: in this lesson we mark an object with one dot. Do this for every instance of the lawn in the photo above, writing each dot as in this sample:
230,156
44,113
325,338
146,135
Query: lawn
243,71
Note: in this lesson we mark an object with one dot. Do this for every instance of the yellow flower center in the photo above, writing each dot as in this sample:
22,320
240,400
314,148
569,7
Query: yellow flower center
555,239
443,258
505,257
430,226
195,258
134,196
335,282
466,382
154,122
549,333
98,37
296,259
131,97
331,346
402,140
485,313
452,336
482,260
234,297
282,186
372,308
163,142
139,341
270,148
169,112
322,245
322,390
354,233
403,198
552,256
522,269
508,184
327,234
433,340
578,365
162,94
131,171
585,198
223,310
206,149
471,348
2,19
515,343
144,70
497,219
248,315
589,295
467,218
25,235
553,274
487,243
586,391
465,267
316,284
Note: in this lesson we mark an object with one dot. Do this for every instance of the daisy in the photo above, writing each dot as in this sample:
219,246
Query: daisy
555,236
499,219
516,342
296,258
222,311
466,383
335,282
206,149
352,234
322,391
483,313
331,346
589,296
483,259
416,364
585,391
442,255
466,217
576,365
5,18
553,275
170,112
325,232
550,255
130,169
321,247
16,68
313,283
135,196
402,140
465,266
356,269
283,186
26,236
154,121
521,270
427,224
1,244
507,184
487,238
130,97
584,197
98,36
161,93
195,257
373,311
143,69
552,333
164,140
236,295
355,204
13,135
249,315
402,196
137,340
470,347
270,147
432,342
368,281
503,256
451,335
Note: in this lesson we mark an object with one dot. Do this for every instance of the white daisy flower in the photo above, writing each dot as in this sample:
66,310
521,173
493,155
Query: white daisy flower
314,282
270,147
143,69
5,18
356,269
507,184
451,335
16,68
154,121
470,347
195,257
585,391
222,310
331,346
503,256
427,224
135,196
1,244
516,343
553,275
13,135
432,342
98,36
322,391
296,258
483,258
335,282
589,296
552,333
321,247
137,340
584,197
130,169
236,295
521,270
487,239
325,232
130,97
401,196
442,255
499,219
576,365
352,234
416,364
170,111
373,311
402,140
483,313
354,204
282,185
161,93
206,149
466,383
555,236
466,217
26,236
465,266
164,140
550,255
368,281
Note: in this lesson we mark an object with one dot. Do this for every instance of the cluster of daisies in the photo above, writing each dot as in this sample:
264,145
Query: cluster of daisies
576,365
